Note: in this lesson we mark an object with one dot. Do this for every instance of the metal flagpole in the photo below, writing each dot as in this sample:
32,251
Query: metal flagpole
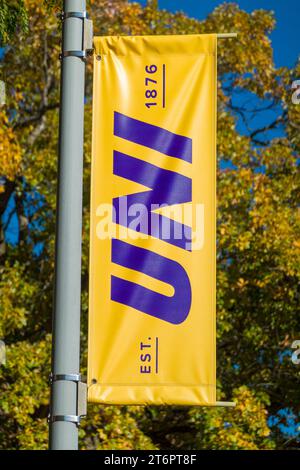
65,378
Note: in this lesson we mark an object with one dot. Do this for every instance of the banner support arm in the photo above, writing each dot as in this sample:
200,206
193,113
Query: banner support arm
226,35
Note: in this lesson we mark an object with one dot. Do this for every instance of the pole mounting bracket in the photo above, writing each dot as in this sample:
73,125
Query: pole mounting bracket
81,403
87,35
66,418
68,377
72,14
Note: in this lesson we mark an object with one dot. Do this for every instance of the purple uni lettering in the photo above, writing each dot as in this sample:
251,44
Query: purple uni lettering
153,137
165,188
170,309
168,188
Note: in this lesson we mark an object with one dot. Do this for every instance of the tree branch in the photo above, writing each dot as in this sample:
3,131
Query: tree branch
269,127
35,118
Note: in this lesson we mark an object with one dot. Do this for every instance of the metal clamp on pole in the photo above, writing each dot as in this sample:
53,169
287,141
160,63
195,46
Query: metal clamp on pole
81,398
73,14
87,36
66,418
68,377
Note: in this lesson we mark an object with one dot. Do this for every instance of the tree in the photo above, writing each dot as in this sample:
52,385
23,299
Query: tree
258,238
13,16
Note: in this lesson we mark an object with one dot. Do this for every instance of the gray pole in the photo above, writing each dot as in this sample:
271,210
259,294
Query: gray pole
66,321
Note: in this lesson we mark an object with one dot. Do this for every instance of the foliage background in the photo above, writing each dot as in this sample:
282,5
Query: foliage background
258,236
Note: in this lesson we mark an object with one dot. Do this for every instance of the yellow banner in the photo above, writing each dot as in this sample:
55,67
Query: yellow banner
153,235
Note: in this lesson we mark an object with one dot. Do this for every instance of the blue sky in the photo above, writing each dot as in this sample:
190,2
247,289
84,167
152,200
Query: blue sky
286,37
